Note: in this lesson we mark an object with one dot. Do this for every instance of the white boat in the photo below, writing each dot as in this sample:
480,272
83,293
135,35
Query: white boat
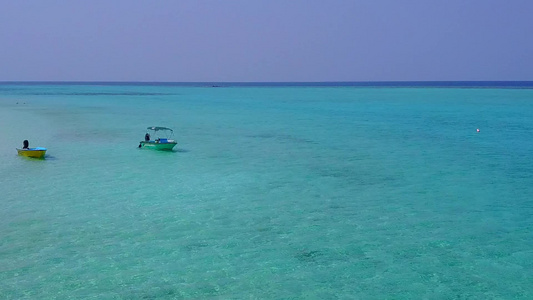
163,139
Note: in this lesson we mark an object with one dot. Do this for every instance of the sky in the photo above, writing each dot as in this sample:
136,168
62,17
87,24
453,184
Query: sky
266,40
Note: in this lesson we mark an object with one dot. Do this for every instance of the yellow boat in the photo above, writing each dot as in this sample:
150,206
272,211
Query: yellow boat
37,152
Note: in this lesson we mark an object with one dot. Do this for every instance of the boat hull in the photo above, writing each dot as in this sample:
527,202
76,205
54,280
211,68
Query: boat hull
168,146
32,152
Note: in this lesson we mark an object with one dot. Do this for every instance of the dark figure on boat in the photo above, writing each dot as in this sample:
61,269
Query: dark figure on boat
25,144
147,137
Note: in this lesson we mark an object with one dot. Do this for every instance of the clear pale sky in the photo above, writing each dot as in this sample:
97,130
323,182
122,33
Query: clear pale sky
270,40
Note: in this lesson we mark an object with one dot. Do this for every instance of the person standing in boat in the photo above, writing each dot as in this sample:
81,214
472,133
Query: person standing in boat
147,137
25,144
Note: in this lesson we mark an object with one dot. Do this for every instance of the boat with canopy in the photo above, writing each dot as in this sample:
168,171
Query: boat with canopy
160,139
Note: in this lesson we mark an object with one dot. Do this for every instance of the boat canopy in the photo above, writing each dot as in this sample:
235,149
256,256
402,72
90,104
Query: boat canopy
156,128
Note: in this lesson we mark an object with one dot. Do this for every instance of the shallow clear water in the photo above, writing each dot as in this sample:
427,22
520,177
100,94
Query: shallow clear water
272,193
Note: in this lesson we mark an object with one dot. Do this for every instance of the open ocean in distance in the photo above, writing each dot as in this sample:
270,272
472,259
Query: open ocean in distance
274,191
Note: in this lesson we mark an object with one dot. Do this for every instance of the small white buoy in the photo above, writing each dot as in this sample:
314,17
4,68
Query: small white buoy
478,130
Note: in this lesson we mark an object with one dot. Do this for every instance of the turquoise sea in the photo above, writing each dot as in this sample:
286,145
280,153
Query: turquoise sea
274,191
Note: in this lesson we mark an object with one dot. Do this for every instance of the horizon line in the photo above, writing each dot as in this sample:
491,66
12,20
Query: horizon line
322,81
